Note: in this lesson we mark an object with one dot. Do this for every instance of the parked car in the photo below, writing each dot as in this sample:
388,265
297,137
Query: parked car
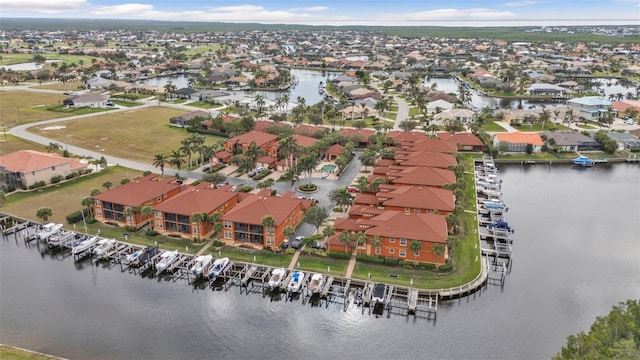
297,242
251,174
109,103
259,170
206,169
629,121
352,189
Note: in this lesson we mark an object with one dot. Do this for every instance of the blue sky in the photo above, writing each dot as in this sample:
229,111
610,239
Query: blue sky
333,12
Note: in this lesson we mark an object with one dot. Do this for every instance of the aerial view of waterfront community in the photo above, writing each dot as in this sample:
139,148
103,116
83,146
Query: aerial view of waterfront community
286,181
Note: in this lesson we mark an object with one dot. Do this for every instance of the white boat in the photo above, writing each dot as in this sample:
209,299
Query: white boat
201,265
276,277
104,245
47,230
378,293
61,238
315,284
217,267
166,259
83,245
296,281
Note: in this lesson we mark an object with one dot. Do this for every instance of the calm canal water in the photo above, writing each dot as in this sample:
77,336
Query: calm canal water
576,252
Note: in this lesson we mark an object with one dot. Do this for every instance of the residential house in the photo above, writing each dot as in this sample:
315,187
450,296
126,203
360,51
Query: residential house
465,115
430,144
545,89
112,206
93,100
591,108
420,176
417,199
174,216
24,168
464,141
240,143
518,141
396,230
567,140
244,222
425,158
626,141
359,137
437,106
184,119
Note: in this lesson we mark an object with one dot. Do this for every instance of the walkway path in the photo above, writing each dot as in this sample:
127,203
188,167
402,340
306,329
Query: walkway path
403,112
205,247
352,264
507,127
294,260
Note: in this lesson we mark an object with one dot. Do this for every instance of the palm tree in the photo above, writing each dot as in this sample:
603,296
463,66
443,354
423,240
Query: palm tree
360,239
285,102
346,237
107,185
176,160
438,251
415,246
87,202
362,183
44,213
147,211
302,103
198,218
253,151
160,160
308,164
376,243
215,220
259,102
316,216
289,149
187,148
341,197
544,116
269,224
52,147
288,231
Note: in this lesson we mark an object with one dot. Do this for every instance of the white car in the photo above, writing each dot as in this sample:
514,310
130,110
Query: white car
629,121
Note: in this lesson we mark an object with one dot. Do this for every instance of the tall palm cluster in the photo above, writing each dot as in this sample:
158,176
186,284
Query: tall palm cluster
193,150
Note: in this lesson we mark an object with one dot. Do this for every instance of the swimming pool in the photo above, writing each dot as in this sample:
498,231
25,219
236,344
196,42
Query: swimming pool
329,168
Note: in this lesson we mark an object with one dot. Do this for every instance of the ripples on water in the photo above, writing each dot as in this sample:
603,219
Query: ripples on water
573,261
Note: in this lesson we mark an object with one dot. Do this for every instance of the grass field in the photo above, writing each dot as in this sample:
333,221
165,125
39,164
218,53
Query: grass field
538,127
136,134
23,107
323,265
8,59
12,353
63,199
13,143
262,257
491,126
59,85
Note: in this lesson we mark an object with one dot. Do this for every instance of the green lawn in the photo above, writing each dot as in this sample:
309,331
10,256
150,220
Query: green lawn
538,127
10,143
264,257
414,111
71,111
125,103
12,353
324,265
491,126
203,104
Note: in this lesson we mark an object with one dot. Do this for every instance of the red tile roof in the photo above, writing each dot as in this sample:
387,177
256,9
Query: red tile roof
430,144
24,161
305,141
260,138
138,192
419,198
520,138
196,200
252,209
425,227
426,158
462,138
425,176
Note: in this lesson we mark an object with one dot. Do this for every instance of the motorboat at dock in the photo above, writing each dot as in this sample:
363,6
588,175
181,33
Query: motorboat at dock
218,266
378,293
201,265
61,238
47,230
142,256
104,245
83,245
315,284
276,278
166,259
296,282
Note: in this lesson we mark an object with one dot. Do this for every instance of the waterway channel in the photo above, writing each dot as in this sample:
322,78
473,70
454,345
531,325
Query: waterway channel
575,251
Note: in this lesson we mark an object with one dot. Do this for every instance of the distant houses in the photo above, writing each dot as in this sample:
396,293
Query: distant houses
24,168
92,100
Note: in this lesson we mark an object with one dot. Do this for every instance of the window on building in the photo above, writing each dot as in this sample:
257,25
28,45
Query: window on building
159,224
53,168
96,202
227,224
378,250
407,210
270,240
403,242
392,239
159,198
416,254
402,253
392,251
271,230
416,210
158,214
227,234
99,212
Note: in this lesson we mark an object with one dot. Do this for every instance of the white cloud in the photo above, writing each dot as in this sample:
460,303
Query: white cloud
521,3
43,5
452,14
124,9
310,8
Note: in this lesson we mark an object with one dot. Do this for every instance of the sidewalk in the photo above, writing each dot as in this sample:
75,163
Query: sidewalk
352,263
294,260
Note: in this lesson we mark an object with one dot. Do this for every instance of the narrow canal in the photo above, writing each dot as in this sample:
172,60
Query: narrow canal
575,255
